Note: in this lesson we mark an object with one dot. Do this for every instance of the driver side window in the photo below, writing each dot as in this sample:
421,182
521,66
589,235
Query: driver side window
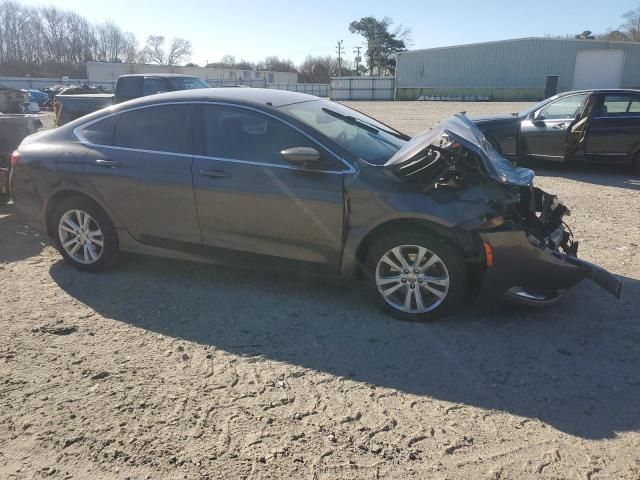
243,134
566,108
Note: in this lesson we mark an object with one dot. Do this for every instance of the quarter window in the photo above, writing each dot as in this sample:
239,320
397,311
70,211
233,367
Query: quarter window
162,128
241,134
100,133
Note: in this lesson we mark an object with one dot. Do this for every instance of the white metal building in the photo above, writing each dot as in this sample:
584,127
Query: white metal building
519,69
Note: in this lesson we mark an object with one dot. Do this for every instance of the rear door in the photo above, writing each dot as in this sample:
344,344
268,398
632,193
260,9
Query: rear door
140,165
251,202
543,134
614,128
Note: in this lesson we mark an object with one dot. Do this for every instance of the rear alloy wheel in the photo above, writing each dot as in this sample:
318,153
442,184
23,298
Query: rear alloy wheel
81,237
418,278
84,235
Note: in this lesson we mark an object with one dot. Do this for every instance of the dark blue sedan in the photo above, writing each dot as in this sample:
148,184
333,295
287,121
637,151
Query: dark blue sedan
586,126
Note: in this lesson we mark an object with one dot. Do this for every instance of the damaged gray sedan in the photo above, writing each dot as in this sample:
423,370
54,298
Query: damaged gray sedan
265,178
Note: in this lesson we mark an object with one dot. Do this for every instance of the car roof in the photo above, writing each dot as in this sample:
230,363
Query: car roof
602,90
248,96
160,75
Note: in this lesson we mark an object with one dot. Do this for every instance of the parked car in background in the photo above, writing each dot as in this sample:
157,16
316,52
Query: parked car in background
69,107
282,179
37,96
587,126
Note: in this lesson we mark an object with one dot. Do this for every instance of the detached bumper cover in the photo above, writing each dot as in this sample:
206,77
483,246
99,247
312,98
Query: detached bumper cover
519,264
599,275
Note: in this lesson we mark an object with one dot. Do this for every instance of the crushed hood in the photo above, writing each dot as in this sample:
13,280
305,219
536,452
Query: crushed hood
462,130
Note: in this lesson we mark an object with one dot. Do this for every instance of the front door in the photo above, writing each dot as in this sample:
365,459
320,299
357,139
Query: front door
544,132
140,165
251,202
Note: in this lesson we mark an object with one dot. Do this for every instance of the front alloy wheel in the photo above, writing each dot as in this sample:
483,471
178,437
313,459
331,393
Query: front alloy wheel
412,279
418,276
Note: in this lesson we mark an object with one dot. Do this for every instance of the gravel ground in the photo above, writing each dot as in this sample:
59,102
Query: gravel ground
163,370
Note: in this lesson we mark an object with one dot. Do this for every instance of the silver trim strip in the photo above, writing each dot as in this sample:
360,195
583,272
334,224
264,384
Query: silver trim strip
77,132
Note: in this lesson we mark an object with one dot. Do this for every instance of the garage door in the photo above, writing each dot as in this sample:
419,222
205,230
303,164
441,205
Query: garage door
598,69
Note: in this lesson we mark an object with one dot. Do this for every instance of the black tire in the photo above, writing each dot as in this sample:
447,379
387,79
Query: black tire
451,258
109,250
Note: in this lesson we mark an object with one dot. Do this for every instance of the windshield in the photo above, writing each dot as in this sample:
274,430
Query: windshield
364,137
187,83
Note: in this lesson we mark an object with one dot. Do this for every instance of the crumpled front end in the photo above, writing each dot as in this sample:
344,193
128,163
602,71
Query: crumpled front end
532,257
529,251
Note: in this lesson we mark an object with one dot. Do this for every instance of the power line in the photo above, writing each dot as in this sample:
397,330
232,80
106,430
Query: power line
340,51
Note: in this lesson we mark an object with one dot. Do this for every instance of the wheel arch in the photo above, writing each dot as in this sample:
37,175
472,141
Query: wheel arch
464,241
58,197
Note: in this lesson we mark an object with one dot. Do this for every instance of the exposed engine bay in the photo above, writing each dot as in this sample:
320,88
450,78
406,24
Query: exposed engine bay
451,165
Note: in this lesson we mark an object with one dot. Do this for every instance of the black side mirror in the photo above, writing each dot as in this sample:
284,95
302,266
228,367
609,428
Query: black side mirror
300,155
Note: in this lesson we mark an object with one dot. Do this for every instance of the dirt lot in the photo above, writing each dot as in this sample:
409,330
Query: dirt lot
165,370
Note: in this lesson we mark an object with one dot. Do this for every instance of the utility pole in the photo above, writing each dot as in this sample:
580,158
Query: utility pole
340,51
358,58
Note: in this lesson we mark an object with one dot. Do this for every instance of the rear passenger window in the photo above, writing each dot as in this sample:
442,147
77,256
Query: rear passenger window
162,128
242,134
619,105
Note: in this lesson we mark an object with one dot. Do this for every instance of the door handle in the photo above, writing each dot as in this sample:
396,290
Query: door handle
107,163
215,173
559,126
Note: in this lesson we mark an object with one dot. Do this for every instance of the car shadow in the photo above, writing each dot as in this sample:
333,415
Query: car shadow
575,365
619,176
30,243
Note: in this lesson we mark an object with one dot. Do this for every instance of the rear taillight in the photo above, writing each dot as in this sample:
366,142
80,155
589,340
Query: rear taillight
15,158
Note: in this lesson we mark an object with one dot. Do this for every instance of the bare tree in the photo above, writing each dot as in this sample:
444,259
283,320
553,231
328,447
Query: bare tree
318,69
153,51
113,44
276,64
179,51
228,60
631,25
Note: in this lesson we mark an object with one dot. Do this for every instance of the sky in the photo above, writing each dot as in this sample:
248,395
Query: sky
254,29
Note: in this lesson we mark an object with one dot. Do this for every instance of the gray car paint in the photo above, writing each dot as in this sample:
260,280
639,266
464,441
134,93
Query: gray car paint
287,217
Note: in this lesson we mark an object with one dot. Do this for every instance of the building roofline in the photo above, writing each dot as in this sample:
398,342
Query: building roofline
513,40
